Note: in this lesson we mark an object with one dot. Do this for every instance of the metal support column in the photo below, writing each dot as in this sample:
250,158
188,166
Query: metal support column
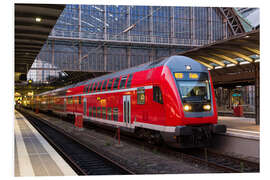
79,45
192,25
230,98
225,36
210,25
129,56
172,31
153,53
128,23
151,26
80,56
257,93
105,56
52,50
79,20
105,22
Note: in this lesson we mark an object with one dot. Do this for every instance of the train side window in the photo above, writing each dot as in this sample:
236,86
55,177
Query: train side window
109,87
115,114
90,87
98,87
98,112
86,88
129,80
123,82
115,83
90,111
140,96
109,113
94,87
80,99
94,112
69,100
157,95
104,85
104,113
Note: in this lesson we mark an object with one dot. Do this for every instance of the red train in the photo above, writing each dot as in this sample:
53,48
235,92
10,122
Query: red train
169,100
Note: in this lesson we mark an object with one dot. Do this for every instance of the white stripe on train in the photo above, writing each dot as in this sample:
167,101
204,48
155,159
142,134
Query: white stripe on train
131,125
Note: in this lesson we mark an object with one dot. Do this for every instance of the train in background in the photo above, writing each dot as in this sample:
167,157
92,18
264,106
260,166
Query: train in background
170,100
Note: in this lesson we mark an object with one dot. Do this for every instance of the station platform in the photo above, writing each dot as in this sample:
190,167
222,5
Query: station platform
240,126
241,123
242,138
34,156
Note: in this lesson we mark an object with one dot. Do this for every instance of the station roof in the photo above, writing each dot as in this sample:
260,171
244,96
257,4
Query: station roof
233,61
33,24
240,49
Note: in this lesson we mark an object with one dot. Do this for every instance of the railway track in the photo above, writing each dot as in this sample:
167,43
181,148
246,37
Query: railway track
204,157
82,159
222,162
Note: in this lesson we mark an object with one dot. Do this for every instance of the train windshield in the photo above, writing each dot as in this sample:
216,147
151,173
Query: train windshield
194,91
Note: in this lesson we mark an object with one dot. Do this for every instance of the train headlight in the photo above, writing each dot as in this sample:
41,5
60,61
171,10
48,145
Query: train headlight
207,107
187,107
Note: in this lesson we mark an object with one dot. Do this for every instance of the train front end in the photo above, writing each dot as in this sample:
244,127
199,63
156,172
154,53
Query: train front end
194,114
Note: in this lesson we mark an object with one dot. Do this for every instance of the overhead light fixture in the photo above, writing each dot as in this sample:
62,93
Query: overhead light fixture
38,19
230,65
188,67
218,67
245,62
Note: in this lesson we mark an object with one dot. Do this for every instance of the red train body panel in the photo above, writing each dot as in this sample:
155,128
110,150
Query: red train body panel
154,98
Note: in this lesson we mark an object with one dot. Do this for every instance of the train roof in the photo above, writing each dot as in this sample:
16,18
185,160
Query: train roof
172,62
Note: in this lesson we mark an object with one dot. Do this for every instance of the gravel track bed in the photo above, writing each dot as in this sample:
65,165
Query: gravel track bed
136,158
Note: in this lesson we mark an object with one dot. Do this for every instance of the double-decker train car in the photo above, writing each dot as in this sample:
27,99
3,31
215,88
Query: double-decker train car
169,100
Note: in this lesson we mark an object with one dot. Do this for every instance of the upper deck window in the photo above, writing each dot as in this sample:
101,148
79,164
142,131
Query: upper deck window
90,87
99,86
129,80
123,82
94,87
104,85
109,87
115,83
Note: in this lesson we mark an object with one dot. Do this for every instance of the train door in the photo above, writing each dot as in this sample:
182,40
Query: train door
127,110
84,106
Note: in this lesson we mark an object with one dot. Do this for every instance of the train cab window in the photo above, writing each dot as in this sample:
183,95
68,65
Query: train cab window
140,96
115,83
98,112
115,114
109,113
104,85
90,111
109,87
94,112
129,80
104,113
157,95
123,82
